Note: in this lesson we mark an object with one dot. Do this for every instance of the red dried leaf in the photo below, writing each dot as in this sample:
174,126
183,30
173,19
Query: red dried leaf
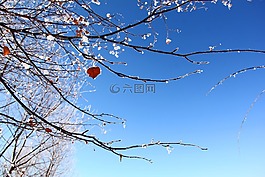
87,32
6,51
31,123
48,130
93,71
78,33
75,21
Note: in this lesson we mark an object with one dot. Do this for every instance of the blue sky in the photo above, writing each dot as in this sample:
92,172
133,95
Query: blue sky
181,110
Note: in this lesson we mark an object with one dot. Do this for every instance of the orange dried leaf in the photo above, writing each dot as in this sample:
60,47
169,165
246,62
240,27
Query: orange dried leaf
6,51
93,71
48,130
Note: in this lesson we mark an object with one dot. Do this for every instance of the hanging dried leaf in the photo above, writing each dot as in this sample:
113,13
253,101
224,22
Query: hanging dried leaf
6,51
48,130
93,71
120,157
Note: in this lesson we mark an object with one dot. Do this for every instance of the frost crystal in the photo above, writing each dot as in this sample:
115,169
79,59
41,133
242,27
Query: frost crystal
169,150
25,65
50,37
179,9
108,15
229,6
45,72
155,3
168,41
116,47
211,48
84,39
96,2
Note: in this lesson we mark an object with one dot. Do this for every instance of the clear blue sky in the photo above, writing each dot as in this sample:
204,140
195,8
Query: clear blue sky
181,110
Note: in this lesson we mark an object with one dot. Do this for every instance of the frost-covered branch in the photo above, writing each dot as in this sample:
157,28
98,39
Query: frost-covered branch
49,51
